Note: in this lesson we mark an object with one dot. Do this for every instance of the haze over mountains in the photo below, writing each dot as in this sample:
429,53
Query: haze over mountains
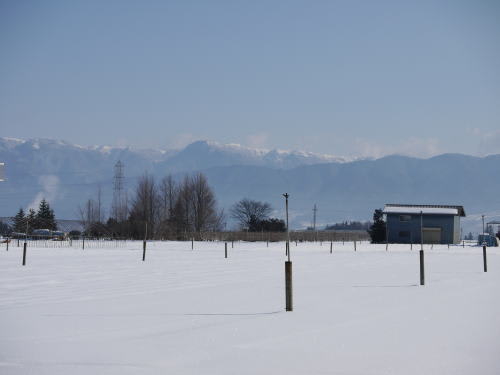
343,189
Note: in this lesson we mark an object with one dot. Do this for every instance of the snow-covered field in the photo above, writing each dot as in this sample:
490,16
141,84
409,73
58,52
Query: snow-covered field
104,311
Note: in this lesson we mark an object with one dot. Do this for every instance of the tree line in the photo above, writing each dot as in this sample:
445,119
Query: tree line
172,209
165,209
350,225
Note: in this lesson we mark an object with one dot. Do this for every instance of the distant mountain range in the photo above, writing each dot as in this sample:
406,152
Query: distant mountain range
343,189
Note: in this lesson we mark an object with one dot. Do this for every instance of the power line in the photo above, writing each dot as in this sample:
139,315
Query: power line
315,210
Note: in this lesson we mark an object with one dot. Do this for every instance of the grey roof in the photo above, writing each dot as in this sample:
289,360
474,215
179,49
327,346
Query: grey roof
460,209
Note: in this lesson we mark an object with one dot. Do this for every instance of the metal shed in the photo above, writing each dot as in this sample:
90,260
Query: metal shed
412,223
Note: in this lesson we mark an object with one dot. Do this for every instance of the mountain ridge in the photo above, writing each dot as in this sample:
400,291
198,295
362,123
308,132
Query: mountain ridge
67,175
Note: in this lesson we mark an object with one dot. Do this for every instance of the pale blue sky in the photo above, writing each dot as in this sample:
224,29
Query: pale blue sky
338,77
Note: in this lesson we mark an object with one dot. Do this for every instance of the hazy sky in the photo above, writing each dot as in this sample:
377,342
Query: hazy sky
338,77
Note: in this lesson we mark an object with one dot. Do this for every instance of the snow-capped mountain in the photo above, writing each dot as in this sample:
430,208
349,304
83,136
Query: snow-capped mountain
197,155
68,174
207,154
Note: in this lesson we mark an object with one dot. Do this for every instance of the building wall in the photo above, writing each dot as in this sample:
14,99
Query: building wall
457,235
410,231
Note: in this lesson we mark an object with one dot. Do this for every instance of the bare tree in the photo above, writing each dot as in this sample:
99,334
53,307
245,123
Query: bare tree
166,209
144,207
183,215
246,210
204,206
91,215
168,195
195,209
100,213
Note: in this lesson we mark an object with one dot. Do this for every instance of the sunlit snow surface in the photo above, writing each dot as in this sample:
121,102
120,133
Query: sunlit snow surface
183,311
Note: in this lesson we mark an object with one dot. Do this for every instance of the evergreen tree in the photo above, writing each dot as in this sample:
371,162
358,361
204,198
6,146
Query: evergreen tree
378,228
5,229
32,220
45,218
20,221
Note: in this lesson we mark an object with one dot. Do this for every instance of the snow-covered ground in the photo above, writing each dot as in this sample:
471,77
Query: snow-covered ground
104,311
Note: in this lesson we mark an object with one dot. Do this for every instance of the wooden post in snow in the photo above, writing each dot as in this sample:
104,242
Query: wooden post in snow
24,253
144,243
422,269
485,263
288,286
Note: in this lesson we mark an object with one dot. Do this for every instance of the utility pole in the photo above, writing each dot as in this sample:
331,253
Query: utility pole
421,230
286,195
315,210
421,252
2,178
25,242
288,264
482,216
386,232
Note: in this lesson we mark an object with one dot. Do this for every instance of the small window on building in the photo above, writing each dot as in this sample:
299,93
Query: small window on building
404,217
404,233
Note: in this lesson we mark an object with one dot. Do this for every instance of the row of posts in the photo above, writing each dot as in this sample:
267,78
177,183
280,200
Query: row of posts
288,262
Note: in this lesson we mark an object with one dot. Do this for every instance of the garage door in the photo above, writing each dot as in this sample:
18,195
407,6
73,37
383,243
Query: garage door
432,235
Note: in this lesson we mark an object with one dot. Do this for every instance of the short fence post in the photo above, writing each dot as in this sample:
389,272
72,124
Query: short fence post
331,246
463,243
422,270
7,242
354,245
83,243
225,249
24,253
143,250
232,244
288,286
485,263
